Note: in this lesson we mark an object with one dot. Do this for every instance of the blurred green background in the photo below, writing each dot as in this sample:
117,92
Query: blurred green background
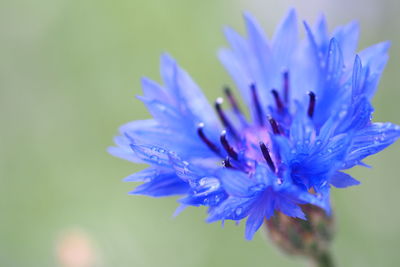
69,71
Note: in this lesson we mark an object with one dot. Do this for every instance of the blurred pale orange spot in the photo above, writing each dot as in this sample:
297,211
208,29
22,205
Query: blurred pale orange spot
75,249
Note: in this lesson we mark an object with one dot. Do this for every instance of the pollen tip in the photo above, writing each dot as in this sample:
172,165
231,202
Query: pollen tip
219,101
286,73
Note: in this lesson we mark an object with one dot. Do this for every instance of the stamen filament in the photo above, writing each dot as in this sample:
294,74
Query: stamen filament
207,141
311,105
232,100
224,141
278,100
259,112
267,156
286,86
274,125
227,124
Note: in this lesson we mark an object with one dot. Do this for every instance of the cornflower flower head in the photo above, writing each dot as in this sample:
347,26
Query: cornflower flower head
309,103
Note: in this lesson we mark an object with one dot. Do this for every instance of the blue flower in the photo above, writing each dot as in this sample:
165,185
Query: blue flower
310,113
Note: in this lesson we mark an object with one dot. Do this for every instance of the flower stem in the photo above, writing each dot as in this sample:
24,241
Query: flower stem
323,259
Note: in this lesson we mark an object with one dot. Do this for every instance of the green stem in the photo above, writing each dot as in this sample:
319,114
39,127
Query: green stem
323,259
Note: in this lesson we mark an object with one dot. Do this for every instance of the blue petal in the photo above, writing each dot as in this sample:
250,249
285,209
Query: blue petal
237,62
347,36
123,150
290,209
210,199
313,45
179,210
265,73
142,176
237,183
254,222
329,91
233,208
168,71
358,117
165,114
371,140
285,40
237,42
174,137
374,59
151,154
371,54
263,177
321,34
342,180
323,194
154,91
124,153
162,185
357,78
189,98
334,61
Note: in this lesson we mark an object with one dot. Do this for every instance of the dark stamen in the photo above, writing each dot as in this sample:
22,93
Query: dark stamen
223,117
232,100
227,163
231,152
235,105
311,105
257,104
274,125
207,141
286,86
278,101
267,156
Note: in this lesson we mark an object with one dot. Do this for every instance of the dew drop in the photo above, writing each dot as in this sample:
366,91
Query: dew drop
238,211
256,188
154,157
342,114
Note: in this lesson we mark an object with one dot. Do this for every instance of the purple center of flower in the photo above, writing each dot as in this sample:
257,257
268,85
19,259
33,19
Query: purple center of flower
245,143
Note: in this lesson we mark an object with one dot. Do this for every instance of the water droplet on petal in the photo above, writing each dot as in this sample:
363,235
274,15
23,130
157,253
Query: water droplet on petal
238,211
256,188
154,157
